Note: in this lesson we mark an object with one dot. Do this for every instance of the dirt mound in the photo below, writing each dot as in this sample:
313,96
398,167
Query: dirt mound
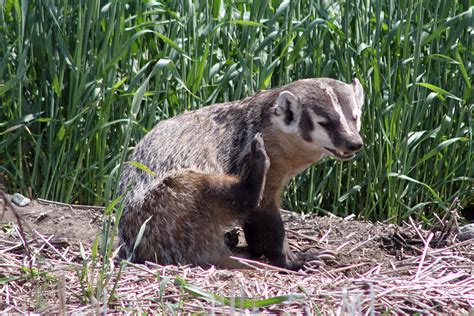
378,268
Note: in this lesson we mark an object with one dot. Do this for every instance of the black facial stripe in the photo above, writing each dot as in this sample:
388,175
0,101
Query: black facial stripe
320,112
344,103
334,127
334,133
306,126
289,117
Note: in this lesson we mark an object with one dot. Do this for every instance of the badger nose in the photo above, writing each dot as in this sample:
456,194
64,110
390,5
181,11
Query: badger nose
354,146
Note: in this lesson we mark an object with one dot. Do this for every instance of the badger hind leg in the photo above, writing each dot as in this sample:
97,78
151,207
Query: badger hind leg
188,213
180,222
257,166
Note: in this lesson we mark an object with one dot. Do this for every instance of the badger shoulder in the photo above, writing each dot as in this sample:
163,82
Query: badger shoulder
209,139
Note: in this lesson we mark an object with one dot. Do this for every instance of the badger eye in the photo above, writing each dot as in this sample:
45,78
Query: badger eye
325,124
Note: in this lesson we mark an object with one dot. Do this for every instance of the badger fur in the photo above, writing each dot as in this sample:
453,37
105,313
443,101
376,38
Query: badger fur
226,164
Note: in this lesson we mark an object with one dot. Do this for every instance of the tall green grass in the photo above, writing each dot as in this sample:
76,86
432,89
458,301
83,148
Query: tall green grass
82,81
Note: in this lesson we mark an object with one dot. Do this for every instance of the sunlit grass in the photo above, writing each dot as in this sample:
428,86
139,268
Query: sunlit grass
81,82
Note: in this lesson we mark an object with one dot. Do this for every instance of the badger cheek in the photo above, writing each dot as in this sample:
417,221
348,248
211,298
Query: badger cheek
321,139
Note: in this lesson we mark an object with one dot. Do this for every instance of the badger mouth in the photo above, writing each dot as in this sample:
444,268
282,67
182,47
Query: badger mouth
341,155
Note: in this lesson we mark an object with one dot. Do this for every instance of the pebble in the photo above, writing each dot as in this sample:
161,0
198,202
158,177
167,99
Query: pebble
20,200
466,232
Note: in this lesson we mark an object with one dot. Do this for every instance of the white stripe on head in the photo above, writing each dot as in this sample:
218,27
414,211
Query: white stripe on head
337,108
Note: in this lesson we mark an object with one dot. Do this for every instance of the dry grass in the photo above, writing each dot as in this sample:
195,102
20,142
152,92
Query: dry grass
380,268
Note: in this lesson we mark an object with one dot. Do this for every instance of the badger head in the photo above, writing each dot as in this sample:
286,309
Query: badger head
324,113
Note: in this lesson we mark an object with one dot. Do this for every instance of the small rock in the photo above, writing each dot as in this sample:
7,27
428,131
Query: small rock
350,217
20,200
466,232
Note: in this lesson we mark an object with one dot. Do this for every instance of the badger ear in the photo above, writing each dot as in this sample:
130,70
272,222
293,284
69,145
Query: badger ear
287,112
358,91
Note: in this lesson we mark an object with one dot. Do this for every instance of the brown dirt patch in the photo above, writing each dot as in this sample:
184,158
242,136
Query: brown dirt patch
379,268
76,224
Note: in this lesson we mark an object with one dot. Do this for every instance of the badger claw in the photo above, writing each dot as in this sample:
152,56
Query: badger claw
311,259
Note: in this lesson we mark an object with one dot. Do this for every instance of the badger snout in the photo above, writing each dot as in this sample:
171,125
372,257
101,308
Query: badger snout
354,145
347,149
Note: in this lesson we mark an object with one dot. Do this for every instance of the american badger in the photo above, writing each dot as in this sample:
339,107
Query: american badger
227,164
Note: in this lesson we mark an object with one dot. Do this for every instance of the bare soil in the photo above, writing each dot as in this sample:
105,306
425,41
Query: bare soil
76,224
378,268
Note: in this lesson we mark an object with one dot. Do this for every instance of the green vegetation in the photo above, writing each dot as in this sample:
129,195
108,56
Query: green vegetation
82,81
243,303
